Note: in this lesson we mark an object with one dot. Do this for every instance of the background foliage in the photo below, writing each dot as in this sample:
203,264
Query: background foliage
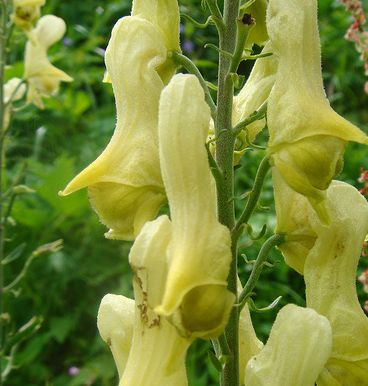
49,147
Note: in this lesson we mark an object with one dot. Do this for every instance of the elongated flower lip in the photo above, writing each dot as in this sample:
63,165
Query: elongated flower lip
199,250
296,351
124,182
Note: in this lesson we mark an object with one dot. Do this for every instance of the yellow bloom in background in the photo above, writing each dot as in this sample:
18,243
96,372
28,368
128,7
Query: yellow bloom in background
43,78
296,351
115,322
196,298
258,33
124,183
330,277
307,137
25,12
147,349
14,90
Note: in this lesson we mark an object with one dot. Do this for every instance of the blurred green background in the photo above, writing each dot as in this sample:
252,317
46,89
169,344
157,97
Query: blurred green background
47,148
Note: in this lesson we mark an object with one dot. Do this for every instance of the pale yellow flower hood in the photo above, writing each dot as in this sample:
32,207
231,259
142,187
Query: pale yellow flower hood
124,182
296,351
26,12
165,16
195,298
157,355
307,137
115,322
330,277
43,78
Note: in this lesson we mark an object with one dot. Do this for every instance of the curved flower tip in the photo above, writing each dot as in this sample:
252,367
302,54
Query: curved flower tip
196,296
124,182
26,12
157,346
330,277
43,78
296,351
14,89
307,137
115,322
165,16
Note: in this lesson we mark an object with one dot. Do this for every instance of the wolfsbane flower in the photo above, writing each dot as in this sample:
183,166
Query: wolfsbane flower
195,296
307,137
26,12
43,78
296,351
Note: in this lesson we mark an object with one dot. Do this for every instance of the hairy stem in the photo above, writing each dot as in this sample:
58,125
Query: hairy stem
224,159
3,40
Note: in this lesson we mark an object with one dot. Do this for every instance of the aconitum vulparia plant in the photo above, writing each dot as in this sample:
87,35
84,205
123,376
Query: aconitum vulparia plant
176,145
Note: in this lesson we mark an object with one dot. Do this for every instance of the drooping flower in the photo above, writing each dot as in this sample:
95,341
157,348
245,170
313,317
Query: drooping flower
124,182
258,33
26,12
14,89
307,137
196,298
43,78
147,349
296,351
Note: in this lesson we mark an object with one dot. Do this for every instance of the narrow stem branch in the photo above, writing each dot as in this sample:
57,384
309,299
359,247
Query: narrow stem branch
185,62
259,114
272,242
253,197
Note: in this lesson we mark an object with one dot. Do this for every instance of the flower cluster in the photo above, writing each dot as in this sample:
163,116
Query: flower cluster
357,32
181,263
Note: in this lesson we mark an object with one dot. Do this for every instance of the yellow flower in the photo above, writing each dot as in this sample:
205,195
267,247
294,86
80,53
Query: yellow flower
258,33
26,12
195,298
296,351
43,78
115,321
330,277
307,137
124,183
136,334
165,16
14,90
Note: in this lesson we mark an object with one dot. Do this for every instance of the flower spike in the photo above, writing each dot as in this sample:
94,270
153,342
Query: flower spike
196,297
124,182
307,137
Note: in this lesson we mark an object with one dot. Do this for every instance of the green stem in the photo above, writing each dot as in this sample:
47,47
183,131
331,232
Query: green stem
273,241
185,62
253,197
259,114
3,39
224,158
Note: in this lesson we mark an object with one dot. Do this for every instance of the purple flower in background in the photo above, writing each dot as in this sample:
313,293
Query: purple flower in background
181,28
188,46
73,371
67,42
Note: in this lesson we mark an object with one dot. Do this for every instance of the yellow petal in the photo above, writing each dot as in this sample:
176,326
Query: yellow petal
115,322
26,12
330,277
296,351
299,115
157,355
257,34
124,182
14,90
196,295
